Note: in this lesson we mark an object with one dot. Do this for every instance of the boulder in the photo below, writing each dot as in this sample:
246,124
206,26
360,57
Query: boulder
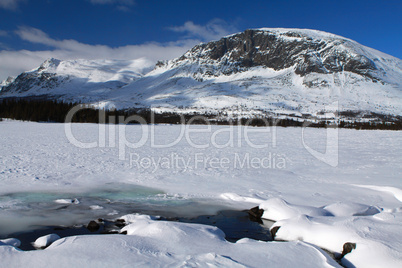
93,226
347,248
120,223
273,231
255,214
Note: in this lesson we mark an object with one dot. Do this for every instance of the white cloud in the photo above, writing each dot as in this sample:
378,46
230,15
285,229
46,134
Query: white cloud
73,48
3,33
10,4
13,63
34,35
215,29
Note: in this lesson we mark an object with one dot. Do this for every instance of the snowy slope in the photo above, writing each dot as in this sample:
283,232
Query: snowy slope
76,80
262,71
279,71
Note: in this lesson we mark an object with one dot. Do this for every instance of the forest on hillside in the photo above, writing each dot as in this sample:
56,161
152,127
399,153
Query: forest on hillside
42,110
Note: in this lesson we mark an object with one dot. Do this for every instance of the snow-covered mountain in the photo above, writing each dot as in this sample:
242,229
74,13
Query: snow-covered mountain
275,72
75,80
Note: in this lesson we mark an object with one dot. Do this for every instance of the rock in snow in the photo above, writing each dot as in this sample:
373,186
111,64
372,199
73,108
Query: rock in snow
347,248
93,226
255,214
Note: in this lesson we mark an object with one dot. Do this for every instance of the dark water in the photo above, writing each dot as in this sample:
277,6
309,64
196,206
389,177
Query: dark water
235,224
30,215
29,210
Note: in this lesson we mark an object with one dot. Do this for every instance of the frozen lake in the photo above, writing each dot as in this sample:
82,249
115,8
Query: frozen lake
59,174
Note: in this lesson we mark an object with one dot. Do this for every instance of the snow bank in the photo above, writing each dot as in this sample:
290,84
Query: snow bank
388,189
175,232
45,241
277,209
375,232
153,243
11,241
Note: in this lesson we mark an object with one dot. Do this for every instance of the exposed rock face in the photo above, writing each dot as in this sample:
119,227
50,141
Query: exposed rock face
7,82
41,78
25,81
278,50
57,78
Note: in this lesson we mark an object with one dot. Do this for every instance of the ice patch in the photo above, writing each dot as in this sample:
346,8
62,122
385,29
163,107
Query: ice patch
67,201
95,207
238,198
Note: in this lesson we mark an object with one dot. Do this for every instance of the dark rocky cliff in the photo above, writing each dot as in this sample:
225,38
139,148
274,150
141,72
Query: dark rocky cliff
279,50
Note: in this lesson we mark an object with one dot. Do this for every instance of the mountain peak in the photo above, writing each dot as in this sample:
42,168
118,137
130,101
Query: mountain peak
48,64
308,51
299,33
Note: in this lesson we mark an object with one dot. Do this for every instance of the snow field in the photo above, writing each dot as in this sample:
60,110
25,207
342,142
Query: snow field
315,204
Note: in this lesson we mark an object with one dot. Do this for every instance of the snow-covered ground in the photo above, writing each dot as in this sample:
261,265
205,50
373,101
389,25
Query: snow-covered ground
322,187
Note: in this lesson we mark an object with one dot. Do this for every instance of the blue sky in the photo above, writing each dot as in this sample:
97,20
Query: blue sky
33,30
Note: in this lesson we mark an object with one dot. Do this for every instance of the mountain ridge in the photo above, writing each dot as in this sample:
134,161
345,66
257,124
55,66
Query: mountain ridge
259,71
281,48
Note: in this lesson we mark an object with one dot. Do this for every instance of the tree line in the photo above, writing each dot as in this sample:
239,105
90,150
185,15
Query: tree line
43,110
